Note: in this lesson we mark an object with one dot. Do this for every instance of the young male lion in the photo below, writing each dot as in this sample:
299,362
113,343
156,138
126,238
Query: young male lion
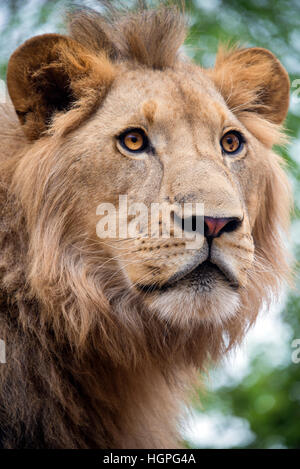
104,337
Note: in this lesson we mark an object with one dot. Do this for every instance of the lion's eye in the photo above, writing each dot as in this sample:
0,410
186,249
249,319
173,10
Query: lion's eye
232,142
134,140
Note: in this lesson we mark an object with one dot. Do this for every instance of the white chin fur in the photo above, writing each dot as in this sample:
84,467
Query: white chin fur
184,307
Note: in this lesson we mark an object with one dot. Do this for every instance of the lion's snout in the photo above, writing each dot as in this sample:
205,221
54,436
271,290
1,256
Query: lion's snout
225,243
214,227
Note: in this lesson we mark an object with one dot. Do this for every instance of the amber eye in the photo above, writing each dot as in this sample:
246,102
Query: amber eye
232,142
134,140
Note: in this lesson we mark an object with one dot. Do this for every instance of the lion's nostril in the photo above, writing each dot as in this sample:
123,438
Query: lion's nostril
214,227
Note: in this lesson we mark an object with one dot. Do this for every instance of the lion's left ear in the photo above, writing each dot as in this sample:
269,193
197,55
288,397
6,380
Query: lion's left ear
51,73
252,80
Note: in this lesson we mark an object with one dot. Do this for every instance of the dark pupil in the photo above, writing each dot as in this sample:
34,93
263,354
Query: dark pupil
229,140
134,139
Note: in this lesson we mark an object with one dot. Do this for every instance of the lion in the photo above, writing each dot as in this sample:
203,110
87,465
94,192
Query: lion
105,338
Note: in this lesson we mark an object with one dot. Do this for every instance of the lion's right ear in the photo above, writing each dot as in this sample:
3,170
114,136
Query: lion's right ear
54,73
253,81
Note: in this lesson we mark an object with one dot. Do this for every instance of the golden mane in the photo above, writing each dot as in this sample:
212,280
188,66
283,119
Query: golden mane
149,37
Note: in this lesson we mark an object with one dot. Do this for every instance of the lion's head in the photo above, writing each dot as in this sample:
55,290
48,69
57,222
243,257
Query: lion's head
113,109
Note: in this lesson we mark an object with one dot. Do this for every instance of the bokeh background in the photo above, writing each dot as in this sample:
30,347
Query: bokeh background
253,397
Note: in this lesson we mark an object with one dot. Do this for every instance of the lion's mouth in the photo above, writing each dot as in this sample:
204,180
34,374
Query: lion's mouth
203,278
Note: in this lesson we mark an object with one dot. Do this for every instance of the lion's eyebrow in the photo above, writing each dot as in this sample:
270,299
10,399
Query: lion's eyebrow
149,109
221,112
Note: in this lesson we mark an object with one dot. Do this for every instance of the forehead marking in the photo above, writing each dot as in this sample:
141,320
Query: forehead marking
149,110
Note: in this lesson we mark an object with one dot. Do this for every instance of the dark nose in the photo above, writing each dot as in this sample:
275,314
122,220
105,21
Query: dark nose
214,227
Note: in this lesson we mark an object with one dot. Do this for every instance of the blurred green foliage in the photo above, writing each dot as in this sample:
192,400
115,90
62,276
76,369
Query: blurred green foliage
268,396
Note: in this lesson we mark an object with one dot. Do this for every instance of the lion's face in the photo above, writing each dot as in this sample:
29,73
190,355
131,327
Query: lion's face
184,121
170,134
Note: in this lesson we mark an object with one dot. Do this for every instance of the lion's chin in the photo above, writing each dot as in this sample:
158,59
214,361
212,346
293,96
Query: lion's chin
185,307
208,297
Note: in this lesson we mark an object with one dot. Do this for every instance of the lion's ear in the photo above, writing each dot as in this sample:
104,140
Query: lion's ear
253,80
52,73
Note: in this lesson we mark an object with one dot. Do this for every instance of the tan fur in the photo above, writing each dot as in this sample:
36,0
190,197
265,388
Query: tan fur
93,361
